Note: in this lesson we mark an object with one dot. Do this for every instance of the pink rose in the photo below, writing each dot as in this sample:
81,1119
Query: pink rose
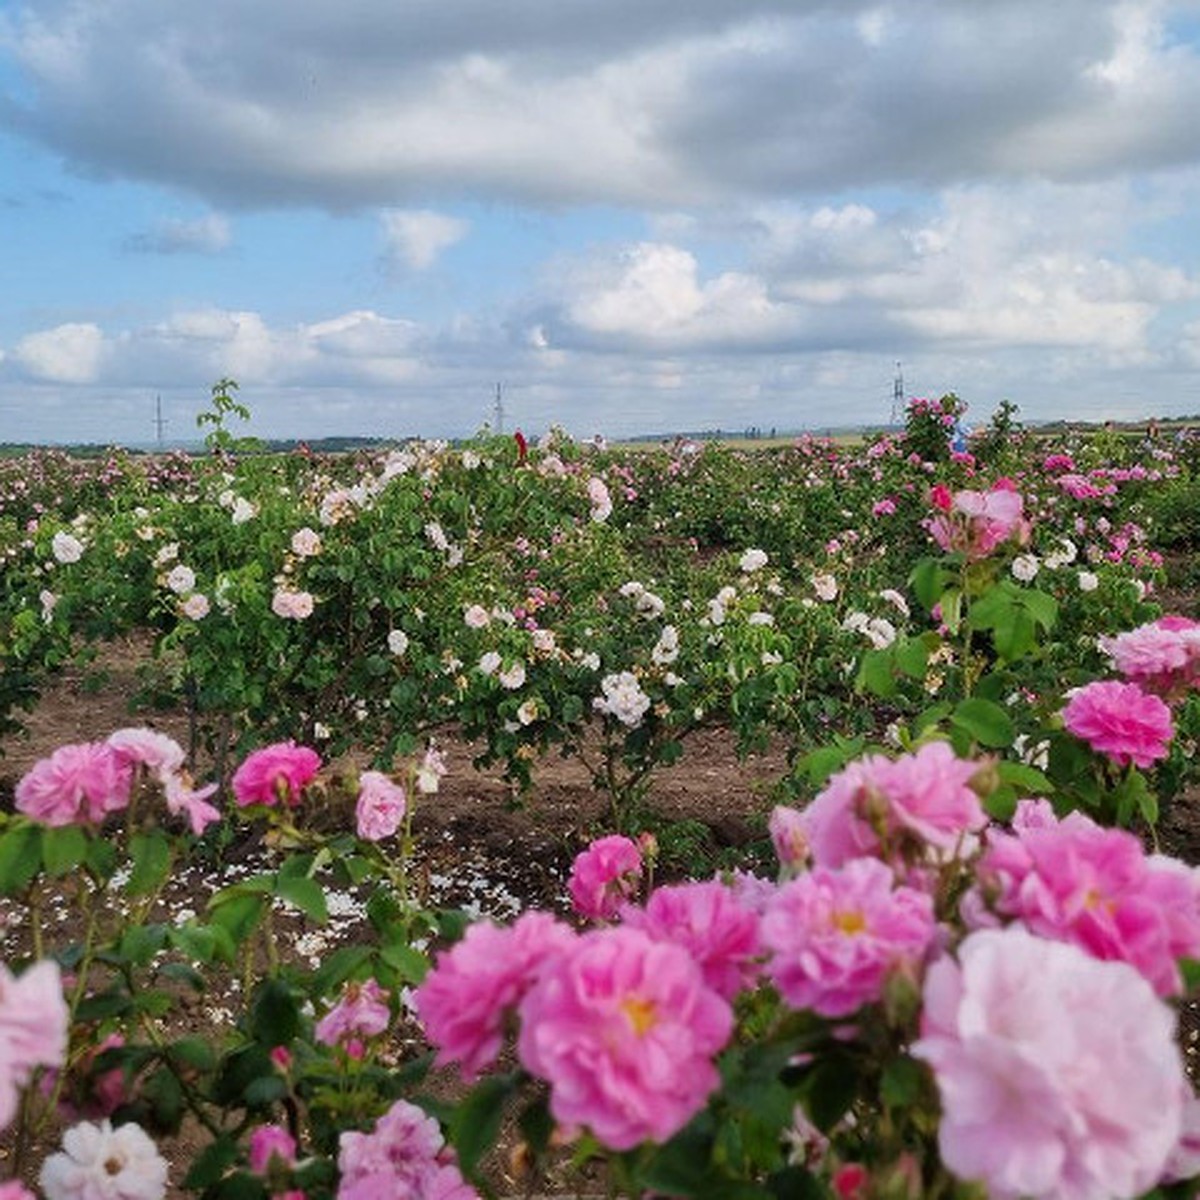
268,1142
624,1030
275,774
605,874
380,807
361,1012
710,922
1120,721
474,987
1058,1075
77,785
835,936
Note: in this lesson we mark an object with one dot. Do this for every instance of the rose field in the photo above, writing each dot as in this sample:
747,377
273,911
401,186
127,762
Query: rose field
521,818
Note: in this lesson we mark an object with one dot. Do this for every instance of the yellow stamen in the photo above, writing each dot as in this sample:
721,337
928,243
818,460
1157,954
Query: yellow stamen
641,1013
850,922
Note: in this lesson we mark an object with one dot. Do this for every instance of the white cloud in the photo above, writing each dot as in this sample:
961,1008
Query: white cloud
664,104
416,238
71,353
206,235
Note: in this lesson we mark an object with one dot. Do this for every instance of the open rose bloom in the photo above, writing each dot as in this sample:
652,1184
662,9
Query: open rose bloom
977,523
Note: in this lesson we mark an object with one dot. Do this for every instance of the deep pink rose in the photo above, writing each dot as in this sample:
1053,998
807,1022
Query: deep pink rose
275,774
604,875
710,922
472,990
836,935
625,1030
1120,721
1079,882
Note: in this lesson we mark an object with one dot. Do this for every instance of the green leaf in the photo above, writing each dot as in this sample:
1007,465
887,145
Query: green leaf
912,657
20,857
211,1163
151,854
238,914
339,967
831,1088
1041,606
409,963
1029,779
275,1013
140,943
1015,637
900,1084
928,580
63,849
985,721
194,1052
306,894
477,1119
875,674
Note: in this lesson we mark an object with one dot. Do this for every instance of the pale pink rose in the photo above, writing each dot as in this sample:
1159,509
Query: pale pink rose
604,875
1078,882
431,771
33,1029
160,754
361,1012
711,924
466,1000
922,801
1059,1075
306,543
624,1030
380,807
786,826
403,1156
976,523
195,607
98,1162
1162,657
836,936
599,498
293,606
1120,721
475,616
77,785
275,774
181,579
268,1142
192,803
1184,1160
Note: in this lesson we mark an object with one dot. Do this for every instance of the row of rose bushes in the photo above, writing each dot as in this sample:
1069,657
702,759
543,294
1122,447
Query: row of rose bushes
951,986
925,1001
543,596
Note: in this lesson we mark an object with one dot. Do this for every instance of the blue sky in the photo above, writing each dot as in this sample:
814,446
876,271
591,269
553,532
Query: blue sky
638,217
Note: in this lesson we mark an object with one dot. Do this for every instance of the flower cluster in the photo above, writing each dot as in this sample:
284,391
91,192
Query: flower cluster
976,523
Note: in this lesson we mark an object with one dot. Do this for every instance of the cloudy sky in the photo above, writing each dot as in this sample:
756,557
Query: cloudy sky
634,216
